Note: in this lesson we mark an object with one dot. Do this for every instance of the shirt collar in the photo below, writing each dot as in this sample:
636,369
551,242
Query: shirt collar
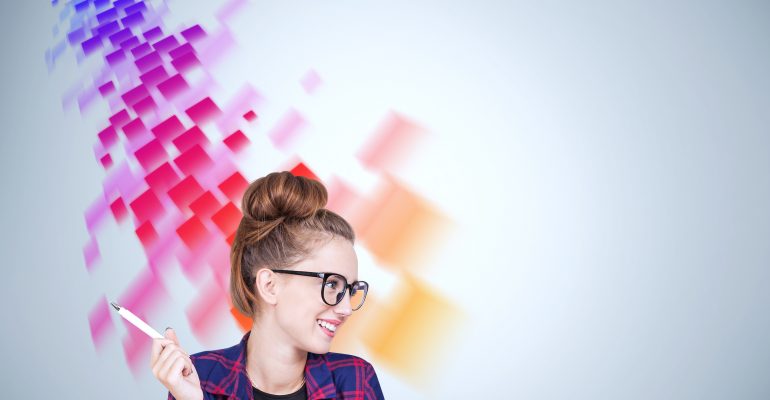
234,381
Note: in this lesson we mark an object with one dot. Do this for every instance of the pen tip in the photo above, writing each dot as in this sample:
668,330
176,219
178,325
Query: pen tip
115,306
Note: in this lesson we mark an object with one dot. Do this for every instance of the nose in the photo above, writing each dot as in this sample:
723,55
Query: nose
344,307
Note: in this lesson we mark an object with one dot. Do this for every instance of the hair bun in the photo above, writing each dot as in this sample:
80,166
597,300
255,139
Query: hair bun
283,195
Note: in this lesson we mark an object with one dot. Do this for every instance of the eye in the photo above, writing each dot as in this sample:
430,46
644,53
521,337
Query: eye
331,284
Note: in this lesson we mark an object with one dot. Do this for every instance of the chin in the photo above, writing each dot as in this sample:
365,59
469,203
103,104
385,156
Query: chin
319,348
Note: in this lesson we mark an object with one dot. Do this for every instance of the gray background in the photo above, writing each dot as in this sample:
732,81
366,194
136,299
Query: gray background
609,165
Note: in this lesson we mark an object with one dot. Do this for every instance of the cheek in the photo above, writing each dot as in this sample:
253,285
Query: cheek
299,302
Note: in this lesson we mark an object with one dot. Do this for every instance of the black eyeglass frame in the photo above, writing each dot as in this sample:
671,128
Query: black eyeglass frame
325,276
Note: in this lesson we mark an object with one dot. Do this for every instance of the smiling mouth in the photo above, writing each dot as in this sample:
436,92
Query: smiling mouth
327,328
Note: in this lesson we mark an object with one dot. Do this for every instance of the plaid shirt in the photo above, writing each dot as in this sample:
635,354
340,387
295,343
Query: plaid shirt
327,376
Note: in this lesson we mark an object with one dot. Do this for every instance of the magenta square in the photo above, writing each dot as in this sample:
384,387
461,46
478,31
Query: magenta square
171,87
144,106
108,136
193,136
134,129
203,111
151,155
193,161
106,161
120,118
134,95
168,129
185,62
153,76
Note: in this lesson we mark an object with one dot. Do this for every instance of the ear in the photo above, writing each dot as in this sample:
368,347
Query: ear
267,285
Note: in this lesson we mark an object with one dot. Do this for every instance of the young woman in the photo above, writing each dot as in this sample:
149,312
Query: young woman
294,271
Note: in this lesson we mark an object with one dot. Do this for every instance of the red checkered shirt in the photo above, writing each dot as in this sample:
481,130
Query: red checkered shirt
327,376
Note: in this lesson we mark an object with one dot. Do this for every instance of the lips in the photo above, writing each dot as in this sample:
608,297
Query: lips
326,331
329,327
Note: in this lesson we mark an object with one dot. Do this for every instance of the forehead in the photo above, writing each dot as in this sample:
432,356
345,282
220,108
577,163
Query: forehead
332,255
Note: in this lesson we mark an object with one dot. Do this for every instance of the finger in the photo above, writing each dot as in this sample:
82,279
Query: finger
188,367
168,352
191,367
157,346
161,358
171,334
172,367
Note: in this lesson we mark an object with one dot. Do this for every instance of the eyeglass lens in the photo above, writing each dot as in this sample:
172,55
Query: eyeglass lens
334,291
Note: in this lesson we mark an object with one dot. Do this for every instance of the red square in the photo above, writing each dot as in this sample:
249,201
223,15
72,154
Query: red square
302,170
250,116
151,155
227,219
147,206
162,178
147,234
185,192
106,161
205,205
193,233
234,187
237,141
119,210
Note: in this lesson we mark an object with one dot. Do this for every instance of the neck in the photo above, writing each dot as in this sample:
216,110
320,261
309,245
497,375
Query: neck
273,366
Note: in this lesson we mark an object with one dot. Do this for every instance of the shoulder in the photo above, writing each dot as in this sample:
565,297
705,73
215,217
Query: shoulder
341,366
341,360
353,376
210,364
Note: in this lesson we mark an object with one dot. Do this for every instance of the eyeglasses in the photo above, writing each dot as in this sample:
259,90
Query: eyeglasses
334,287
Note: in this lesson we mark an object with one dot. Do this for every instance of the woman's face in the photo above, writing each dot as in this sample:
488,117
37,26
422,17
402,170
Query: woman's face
300,308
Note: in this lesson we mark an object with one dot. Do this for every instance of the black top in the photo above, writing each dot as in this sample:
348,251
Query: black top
300,394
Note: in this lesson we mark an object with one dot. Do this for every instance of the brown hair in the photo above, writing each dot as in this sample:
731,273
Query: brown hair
283,216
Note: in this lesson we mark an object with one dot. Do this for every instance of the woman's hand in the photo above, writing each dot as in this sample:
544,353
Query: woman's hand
173,368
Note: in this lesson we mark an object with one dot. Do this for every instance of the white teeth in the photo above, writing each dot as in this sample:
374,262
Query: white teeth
327,325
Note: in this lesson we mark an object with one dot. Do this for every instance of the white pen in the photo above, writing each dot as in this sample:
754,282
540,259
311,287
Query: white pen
134,320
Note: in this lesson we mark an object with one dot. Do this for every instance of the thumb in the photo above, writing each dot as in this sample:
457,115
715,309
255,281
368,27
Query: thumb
170,334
